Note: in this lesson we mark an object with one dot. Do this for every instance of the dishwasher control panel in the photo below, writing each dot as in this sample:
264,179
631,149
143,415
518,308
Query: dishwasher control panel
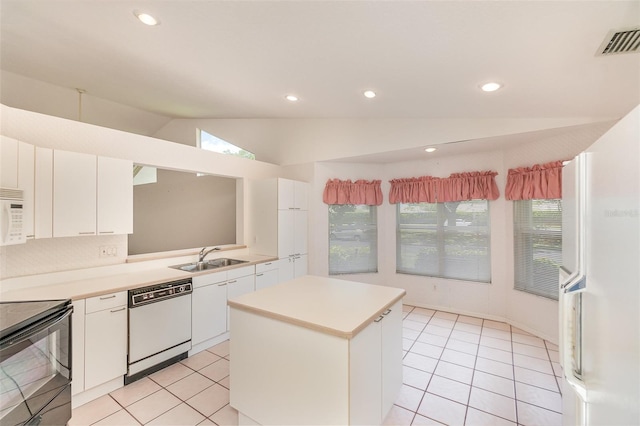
159,292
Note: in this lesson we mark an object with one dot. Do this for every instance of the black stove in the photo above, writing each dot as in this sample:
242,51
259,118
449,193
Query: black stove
15,316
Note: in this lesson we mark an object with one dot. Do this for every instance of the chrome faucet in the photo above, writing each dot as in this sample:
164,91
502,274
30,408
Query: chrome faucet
204,253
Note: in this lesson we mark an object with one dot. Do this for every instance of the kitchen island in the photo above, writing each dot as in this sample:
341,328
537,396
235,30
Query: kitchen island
316,350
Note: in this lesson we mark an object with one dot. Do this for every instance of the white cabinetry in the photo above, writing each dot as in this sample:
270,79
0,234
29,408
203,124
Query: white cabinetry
352,356
209,312
43,216
74,194
266,275
26,182
91,195
115,196
377,348
240,281
280,223
105,356
208,307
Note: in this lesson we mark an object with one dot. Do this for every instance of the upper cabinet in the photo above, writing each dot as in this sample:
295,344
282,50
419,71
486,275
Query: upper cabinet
26,182
43,199
74,194
91,195
292,195
115,196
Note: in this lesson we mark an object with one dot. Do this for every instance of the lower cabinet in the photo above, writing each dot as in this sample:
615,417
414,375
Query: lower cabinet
105,341
372,394
266,275
355,381
292,267
208,307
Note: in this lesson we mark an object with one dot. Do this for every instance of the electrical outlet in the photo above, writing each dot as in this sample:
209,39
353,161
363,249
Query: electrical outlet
108,251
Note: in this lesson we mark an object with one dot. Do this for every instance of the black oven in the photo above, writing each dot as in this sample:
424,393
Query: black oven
35,362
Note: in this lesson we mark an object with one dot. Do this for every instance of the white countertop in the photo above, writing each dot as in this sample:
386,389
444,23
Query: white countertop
329,305
113,281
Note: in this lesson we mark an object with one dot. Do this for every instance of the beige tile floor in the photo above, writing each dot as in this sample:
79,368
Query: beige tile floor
457,370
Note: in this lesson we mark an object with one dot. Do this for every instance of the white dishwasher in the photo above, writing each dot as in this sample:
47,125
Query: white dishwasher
159,327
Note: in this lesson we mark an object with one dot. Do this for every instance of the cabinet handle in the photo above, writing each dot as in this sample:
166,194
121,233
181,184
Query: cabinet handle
232,282
31,236
108,297
380,318
118,310
259,275
107,232
222,285
267,264
87,233
387,312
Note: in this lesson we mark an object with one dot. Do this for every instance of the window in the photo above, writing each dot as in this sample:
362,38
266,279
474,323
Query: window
213,143
447,240
353,239
537,246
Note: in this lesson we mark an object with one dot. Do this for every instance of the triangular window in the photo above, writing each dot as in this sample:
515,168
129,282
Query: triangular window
213,143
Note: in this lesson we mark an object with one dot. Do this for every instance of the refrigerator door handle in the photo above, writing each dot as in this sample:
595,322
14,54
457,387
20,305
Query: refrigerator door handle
572,357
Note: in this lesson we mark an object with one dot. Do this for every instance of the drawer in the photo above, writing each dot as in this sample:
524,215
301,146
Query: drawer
267,266
106,301
212,278
241,272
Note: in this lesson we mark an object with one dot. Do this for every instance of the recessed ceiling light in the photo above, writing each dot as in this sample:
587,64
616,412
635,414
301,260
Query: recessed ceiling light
490,87
145,18
369,94
430,149
292,98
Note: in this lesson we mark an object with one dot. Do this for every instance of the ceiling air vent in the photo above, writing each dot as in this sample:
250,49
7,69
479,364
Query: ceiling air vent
621,41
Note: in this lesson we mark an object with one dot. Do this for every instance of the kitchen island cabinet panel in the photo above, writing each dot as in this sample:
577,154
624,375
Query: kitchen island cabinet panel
300,375
316,350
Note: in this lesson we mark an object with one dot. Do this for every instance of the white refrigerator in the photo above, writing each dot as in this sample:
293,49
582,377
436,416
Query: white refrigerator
600,280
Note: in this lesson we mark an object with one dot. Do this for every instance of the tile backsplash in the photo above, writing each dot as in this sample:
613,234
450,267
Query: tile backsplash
61,254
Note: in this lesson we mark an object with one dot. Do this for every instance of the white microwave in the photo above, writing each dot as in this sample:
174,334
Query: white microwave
11,217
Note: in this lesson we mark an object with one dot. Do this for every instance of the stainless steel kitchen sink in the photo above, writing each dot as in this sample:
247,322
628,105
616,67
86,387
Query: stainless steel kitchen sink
209,264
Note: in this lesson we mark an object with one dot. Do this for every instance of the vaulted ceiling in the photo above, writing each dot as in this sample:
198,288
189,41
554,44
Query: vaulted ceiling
238,59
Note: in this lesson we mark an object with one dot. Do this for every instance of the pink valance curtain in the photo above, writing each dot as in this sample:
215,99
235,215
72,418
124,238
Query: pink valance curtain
366,192
457,187
541,181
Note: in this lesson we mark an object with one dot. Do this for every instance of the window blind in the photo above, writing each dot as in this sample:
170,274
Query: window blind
353,239
537,246
447,240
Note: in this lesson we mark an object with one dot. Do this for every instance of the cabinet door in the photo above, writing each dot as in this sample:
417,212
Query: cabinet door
266,279
365,381
391,334
286,194
286,270
238,287
286,233
115,196
74,194
301,195
105,346
26,179
300,229
43,222
8,162
300,265
208,312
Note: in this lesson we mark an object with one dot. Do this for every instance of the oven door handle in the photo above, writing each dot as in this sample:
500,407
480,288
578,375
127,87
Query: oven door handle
37,328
